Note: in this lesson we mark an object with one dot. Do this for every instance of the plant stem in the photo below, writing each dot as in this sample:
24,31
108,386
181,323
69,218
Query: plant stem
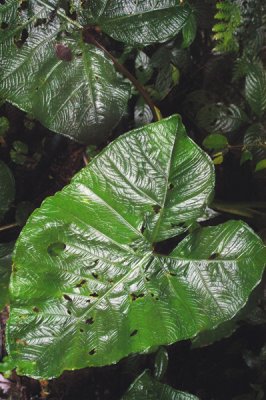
124,71
245,209
9,226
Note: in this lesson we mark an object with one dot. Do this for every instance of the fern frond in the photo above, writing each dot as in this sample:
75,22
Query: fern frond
229,17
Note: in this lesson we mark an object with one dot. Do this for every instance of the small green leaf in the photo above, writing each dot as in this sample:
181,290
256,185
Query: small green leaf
255,89
7,188
4,126
161,363
189,31
6,250
142,113
215,141
245,156
147,388
219,118
260,165
218,158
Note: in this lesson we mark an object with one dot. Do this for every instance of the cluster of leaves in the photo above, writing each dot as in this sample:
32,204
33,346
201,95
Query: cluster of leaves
235,112
101,269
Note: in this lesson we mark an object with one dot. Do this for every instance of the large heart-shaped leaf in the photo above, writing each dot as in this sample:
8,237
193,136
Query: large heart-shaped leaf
93,287
147,388
7,188
140,22
46,69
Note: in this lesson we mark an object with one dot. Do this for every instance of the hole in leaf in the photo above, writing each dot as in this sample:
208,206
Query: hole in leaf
63,52
143,227
94,294
96,276
172,273
36,309
81,330
40,21
134,333
69,312
67,297
135,296
81,283
156,208
213,256
23,5
89,321
23,37
4,25
55,249
93,351
170,186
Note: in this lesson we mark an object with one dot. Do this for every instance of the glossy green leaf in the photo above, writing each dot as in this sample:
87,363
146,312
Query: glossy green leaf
255,139
255,89
219,118
160,363
93,289
140,23
261,165
5,271
47,70
147,388
215,141
189,31
7,188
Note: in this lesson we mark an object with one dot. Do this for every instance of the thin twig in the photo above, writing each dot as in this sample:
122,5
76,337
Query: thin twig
9,226
124,71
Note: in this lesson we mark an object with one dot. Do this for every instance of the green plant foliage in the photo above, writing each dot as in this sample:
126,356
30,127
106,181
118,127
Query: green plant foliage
140,23
4,126
5,271
255,89
189,31
255,141
160,363
147,388
219,118
7,188
69,86
215,141
229,17
261,165
94,289
72,87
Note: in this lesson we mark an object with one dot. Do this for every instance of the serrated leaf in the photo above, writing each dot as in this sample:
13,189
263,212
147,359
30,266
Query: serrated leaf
140,23
215,141
219,118
6,250
7,188
255,89
92,289
147,388
48,71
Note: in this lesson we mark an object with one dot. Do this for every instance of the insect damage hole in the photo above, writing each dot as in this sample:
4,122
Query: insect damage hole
66,297
55,249
89,321
92,352
133,333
